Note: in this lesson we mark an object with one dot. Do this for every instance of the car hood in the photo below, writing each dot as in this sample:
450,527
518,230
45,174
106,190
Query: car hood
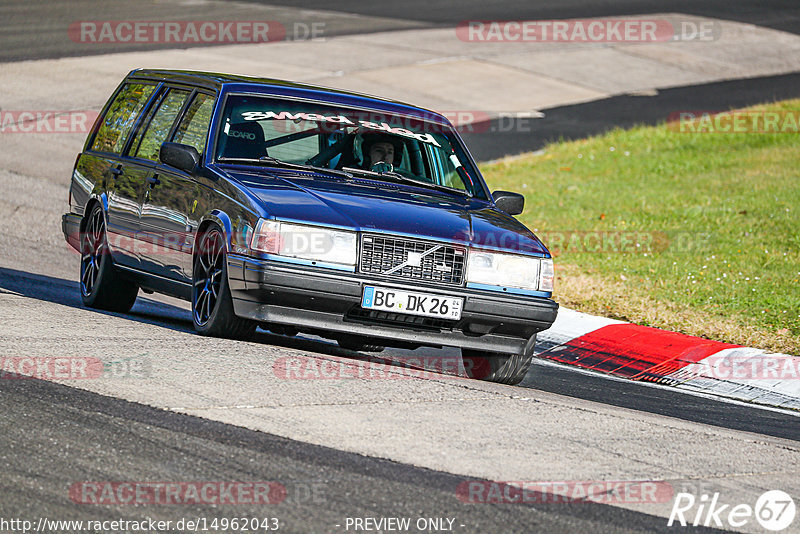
369,205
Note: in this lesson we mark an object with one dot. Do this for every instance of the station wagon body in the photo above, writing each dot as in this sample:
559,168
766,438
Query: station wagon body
303,209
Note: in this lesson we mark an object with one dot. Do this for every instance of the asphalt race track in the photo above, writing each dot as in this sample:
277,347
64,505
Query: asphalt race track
202,409
34,31
323,485
593,118
555,379
55,435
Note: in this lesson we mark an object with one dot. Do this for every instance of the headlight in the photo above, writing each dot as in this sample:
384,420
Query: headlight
510,270
313,243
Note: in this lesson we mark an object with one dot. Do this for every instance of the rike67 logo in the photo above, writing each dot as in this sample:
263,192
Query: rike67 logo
774,510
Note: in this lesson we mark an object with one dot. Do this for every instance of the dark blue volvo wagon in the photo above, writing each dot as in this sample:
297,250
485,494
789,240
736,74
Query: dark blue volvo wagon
303,209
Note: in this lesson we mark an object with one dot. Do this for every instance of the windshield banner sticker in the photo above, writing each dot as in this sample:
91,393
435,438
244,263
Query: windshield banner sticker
338,119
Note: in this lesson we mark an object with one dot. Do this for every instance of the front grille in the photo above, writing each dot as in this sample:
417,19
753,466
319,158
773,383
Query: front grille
435,262
398,319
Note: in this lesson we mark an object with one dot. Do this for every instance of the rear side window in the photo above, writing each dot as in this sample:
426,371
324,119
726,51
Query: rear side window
120,117
193,129
161,124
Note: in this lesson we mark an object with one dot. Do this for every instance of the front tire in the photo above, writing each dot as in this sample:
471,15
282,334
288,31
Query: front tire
101,285
212,305
496,367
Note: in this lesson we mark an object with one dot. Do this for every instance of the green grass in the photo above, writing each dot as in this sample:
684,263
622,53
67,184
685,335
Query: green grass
722,210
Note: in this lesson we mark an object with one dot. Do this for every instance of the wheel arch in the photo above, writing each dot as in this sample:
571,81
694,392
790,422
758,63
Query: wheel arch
94,200
221,219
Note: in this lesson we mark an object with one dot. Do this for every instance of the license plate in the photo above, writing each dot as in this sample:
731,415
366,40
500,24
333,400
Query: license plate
412,303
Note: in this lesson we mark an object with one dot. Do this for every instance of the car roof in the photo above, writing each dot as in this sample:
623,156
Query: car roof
270,86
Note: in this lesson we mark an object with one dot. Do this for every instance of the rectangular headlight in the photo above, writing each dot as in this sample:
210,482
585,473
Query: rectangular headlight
510,270
313,243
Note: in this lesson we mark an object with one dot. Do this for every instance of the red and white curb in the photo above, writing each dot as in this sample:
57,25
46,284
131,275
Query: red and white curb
686,362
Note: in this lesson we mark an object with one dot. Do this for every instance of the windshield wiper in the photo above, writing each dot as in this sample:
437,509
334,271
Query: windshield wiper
269,160
406,180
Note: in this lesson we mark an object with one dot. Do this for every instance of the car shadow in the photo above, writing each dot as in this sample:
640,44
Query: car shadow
155,312
67,293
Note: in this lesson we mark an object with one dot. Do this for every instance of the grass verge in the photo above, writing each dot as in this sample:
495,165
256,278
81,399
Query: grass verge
693,232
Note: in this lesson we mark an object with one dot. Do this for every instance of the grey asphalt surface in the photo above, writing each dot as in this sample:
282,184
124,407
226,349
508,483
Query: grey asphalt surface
543,377
52,435
70,435
37,29
517,135
777,14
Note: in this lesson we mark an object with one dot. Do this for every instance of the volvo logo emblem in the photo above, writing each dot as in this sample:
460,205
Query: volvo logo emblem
414,259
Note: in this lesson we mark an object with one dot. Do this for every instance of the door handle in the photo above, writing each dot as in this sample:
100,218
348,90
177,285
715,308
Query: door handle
153,181
116,171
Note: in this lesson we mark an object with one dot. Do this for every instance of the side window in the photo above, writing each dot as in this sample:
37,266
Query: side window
118,120
161,124
193,129
137,140
443,170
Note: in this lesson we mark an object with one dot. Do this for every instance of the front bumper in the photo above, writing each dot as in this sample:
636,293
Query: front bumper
329,303
71,226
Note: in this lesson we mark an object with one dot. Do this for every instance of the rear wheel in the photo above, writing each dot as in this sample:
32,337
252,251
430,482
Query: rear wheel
496,367
212,306
101,285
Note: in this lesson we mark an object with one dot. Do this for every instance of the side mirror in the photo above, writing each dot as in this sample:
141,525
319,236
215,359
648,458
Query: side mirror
511,203
183,157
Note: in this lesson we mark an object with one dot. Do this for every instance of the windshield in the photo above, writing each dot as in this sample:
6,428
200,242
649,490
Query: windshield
382,146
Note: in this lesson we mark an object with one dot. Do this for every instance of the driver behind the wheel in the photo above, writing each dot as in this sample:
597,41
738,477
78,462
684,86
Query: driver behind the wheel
381,148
